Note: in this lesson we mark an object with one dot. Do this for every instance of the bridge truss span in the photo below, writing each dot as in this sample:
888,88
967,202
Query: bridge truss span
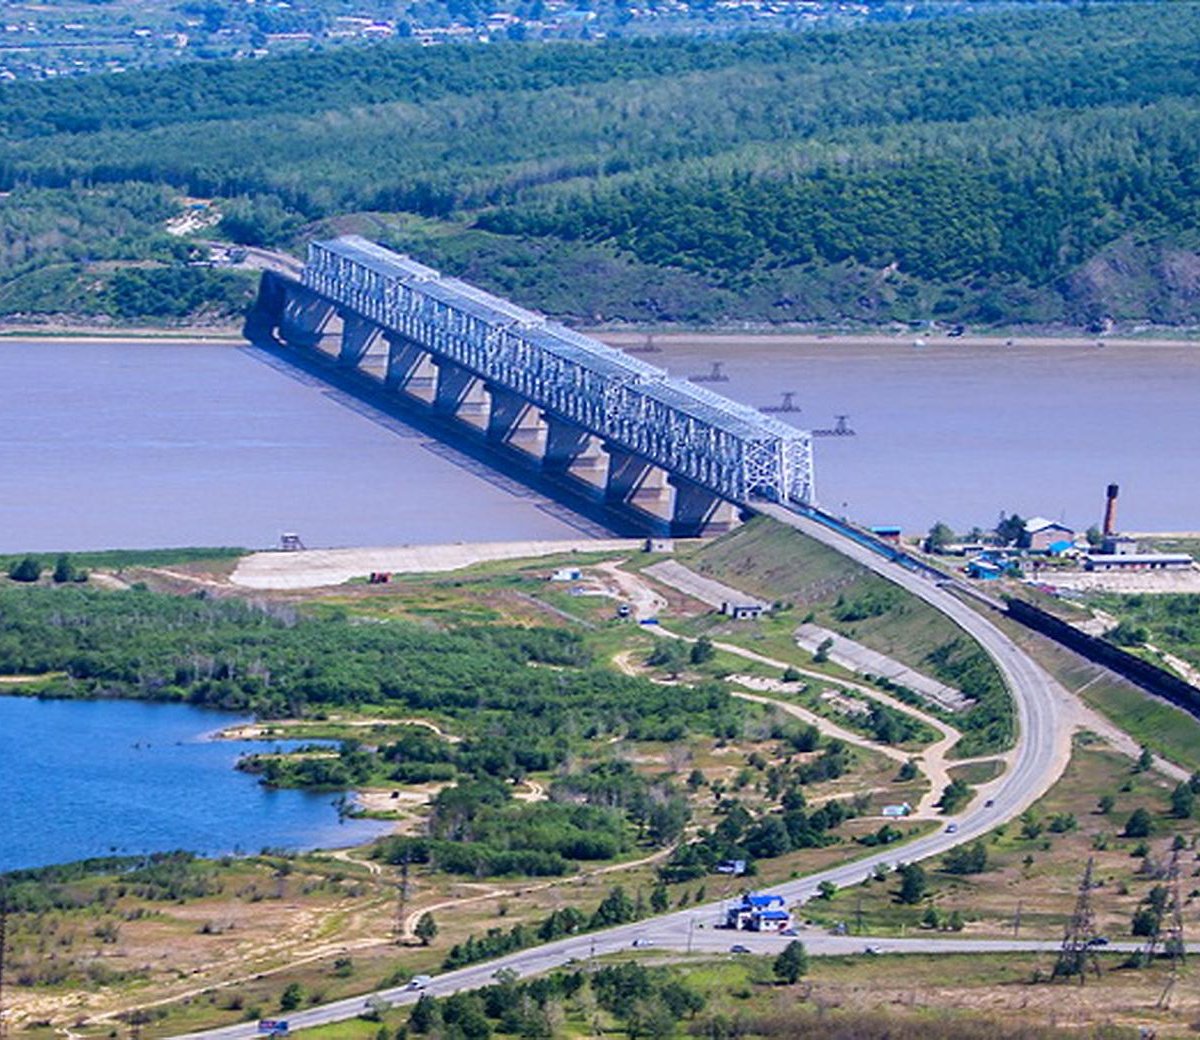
726,448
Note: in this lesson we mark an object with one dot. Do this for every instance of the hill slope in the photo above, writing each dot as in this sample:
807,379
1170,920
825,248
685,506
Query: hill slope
1015,165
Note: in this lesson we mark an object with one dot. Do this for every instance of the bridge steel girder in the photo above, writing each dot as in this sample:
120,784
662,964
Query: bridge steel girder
733,450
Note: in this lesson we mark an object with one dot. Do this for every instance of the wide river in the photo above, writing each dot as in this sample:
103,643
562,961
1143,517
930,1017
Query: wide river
119,445
97,778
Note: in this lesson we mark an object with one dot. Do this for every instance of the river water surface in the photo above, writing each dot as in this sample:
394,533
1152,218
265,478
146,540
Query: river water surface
125,445
960,431
97,778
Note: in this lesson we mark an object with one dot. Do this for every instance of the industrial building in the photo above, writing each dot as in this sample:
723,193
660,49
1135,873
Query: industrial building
1137,561
1041,534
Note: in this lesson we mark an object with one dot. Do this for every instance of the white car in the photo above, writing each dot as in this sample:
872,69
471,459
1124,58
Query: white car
419,981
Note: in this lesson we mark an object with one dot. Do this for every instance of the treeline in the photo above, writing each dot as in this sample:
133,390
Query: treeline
981,163
990,723
616,908
647,1002
277,662
476,827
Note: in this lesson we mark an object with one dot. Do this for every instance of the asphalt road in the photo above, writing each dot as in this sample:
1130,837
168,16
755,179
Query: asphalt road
1046,720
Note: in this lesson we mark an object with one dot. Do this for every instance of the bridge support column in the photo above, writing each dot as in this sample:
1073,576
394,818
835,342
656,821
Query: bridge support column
410,368
460,393
304,318
512,420
573,451
358,334
636,481
699,512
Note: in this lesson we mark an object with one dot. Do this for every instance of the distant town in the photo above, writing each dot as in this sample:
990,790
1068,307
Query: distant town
44,41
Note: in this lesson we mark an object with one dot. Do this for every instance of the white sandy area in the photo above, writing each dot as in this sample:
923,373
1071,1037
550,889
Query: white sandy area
311,568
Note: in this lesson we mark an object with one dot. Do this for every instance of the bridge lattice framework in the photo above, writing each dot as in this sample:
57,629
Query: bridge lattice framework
527,378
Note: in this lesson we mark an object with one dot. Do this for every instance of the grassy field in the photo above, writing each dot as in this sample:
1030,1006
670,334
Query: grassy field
1034,864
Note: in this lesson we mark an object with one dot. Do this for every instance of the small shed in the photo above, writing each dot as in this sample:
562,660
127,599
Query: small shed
887,533
742,611
984,570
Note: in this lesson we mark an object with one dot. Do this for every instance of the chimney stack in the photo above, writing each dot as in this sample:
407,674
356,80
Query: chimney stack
1110,511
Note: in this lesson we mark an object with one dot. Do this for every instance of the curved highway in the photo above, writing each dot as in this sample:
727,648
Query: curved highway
1046,719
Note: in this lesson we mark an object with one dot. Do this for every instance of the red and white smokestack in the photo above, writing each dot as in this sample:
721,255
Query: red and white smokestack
1110,511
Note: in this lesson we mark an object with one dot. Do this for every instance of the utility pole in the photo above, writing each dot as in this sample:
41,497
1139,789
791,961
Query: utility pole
1078,952
402,900
858,928
1017,919
1174,945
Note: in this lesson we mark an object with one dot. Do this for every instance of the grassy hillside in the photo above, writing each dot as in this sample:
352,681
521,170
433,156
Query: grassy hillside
1009,165
812,582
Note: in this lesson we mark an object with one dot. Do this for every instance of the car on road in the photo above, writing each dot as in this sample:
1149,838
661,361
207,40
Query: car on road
1098,940
952,828
989,803
872,951
739,948
419,981
788,931
643,942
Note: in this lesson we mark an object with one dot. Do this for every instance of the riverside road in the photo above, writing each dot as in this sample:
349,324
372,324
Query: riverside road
1046,717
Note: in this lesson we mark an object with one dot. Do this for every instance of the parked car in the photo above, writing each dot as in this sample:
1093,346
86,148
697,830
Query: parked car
872,951
739,948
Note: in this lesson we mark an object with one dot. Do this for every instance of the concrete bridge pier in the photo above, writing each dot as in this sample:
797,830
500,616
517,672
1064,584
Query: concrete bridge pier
574,452
304,317
460,393
633,480
358,336
410,368
699,512
512,420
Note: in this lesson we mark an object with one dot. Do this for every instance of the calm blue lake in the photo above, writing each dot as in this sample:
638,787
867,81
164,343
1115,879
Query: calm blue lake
94,778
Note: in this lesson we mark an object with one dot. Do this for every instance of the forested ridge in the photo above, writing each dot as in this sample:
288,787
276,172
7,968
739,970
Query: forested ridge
1034,165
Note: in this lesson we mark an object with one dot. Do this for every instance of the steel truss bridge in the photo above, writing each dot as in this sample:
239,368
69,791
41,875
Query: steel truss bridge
524,379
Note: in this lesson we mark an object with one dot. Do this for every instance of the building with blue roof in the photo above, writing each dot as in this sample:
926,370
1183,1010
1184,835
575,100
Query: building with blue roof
759,913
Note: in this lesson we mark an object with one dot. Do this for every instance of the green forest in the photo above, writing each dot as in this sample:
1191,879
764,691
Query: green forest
1014,165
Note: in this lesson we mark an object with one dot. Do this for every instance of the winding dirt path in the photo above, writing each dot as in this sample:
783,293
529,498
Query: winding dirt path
933,760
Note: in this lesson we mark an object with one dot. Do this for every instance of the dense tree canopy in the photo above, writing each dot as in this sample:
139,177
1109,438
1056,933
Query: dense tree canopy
1005,165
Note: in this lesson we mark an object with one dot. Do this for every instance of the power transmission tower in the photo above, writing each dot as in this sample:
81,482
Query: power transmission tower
402,900
1078,952
1174,944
